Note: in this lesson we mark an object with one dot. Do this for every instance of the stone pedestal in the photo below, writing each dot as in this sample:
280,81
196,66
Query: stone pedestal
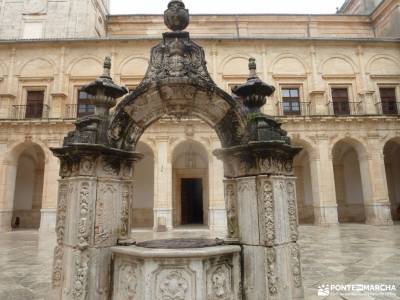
326,215
95,195
378,214
181,274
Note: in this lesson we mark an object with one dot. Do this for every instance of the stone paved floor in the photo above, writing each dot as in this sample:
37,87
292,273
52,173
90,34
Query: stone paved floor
358,254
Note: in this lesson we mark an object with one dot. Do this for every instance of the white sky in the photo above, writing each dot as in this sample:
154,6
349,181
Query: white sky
229,6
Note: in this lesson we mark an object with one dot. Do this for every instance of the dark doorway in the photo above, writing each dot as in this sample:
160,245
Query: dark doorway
191,201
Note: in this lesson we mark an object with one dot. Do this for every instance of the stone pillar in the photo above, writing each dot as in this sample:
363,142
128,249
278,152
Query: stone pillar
94,198
217,212
323,183
260,195
50,186
8,171
163,209
375,189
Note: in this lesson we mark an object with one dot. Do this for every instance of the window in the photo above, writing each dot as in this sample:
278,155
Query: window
291,101
32,30
388,101
340,101
34,104
84,106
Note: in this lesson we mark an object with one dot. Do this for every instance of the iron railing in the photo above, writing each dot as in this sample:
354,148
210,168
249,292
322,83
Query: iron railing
388,108
30,111
345,108
304,109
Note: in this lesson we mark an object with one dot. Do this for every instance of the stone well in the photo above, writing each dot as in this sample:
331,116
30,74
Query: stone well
177,269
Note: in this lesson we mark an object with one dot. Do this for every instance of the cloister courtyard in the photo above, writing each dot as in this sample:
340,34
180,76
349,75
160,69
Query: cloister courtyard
343,254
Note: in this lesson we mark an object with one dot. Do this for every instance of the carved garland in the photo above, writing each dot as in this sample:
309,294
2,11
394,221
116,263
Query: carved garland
296,267
231,210
126,202
269,223
60,229
271,272
292,211
83,235
81,276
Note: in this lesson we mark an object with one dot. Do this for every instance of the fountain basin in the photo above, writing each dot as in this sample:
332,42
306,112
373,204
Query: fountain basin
178,270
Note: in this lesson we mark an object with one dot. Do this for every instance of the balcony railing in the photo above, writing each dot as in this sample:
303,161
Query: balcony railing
71,111
30,111
345,108
388,108
303,109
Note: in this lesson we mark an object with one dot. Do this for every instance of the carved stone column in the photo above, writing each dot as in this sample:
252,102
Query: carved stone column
95,194
94,199
260,195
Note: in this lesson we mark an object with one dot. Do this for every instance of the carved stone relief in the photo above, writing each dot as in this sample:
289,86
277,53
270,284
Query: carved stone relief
231,210
80,287
105,211
129,277
126,204
296,266
83,230
60,230
291,192
174,286
268,217
271,271
219,283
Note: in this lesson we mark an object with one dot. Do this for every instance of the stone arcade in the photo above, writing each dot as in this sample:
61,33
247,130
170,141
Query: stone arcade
95,192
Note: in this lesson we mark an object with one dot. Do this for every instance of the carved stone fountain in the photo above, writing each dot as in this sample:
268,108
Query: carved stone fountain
259,259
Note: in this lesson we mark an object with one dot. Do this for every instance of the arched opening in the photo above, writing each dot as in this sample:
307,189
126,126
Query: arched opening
392,166
305,201
28,192
348,182
190,184
143,194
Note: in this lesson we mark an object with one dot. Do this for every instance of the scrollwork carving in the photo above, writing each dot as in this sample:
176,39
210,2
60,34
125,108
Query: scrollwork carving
126,201
129,282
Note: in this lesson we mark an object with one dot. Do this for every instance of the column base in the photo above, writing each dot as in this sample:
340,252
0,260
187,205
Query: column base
5,220
48,218
162,219
326,215
378,214
217,221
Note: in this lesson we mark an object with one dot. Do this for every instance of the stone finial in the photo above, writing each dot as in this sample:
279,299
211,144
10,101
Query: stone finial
252,67
176,17
107,66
